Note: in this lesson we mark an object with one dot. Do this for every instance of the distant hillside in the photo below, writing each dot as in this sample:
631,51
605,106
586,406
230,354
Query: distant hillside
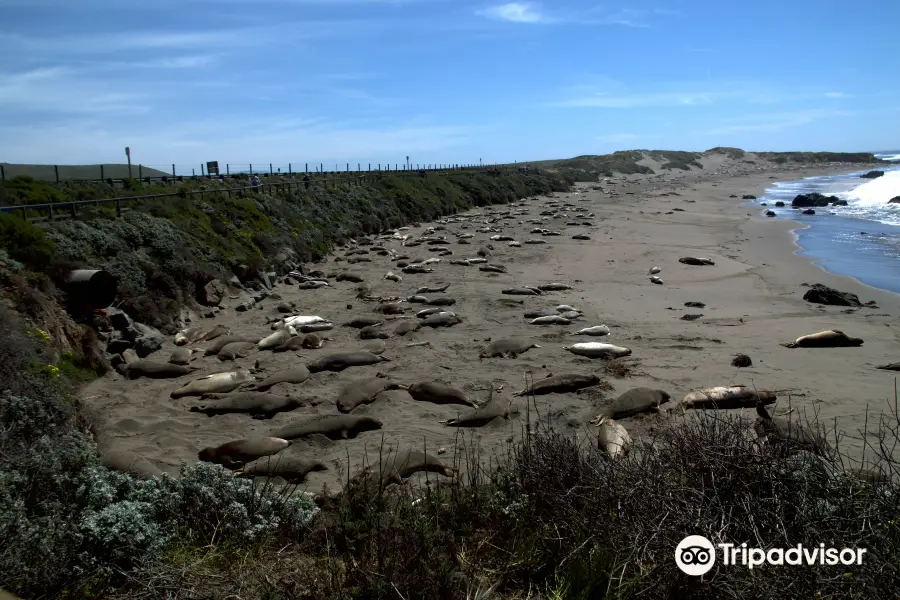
629,162
68,172
818,157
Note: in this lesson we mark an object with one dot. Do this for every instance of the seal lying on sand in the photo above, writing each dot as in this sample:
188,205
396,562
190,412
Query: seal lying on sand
278,338
234,454
441,319
129,462
259,405
155,370
437,393
406,327
726,397
361,322
223,341
833,338
789,434
335,427
691,260
293,469
397,466
235,350
560,384
891,367
297,374
343,360
217,383
181,356
598,350
633,402
596,330
494,408
508,348
612,437
362,391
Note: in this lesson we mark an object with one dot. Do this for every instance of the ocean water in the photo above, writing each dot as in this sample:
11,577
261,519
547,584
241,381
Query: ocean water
862,239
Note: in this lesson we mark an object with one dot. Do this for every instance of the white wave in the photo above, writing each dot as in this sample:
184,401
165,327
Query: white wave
875,193
891,157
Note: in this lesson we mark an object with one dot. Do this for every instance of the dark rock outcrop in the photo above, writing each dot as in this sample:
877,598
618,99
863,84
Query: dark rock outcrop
809,211
748,197
813,200
894,200
213,293
821,294
839,203
770,213
872,175
779,203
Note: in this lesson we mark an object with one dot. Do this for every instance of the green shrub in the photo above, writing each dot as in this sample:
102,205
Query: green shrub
25,242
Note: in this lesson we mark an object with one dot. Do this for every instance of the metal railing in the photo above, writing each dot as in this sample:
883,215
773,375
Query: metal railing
64,210
119,173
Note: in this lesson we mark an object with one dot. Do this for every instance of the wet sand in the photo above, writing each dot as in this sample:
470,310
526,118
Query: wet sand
753,297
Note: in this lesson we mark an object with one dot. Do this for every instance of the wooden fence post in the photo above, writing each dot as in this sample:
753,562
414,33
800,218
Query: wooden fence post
290,170
173,169
101,172
141,172
2,173
270,169
251,168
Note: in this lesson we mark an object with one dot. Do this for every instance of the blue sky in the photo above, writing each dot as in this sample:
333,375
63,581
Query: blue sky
185,81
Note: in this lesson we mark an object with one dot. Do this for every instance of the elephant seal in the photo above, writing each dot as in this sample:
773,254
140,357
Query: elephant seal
833,338
390,308
342,360
553,319
697,262
521,291
784,432
295,342
554,287
373,332
316,327
633,402
293,469
441,319
406,327
297,374
560,384
129,462
598,350
258,405
397,466
441,301
235,453
596,330
217,383
508,348
612,437
437,393
335,427
494,408
223,341
433,290
891,367
276,339
155,370
311,341
181,356
235,350
361,322
375,346
726,397
362,391
427,312
186,336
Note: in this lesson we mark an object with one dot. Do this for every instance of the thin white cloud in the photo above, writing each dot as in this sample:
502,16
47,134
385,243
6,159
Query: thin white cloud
616,137
62,90
613,94
836,95
515,12
251,140
777,121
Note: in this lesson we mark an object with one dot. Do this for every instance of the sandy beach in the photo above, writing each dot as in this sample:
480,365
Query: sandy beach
752,296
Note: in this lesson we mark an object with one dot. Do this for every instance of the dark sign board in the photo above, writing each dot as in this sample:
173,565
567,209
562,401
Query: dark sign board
212,167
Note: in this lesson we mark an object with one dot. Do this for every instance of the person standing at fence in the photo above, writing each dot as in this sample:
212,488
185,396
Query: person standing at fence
307,180
254,182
